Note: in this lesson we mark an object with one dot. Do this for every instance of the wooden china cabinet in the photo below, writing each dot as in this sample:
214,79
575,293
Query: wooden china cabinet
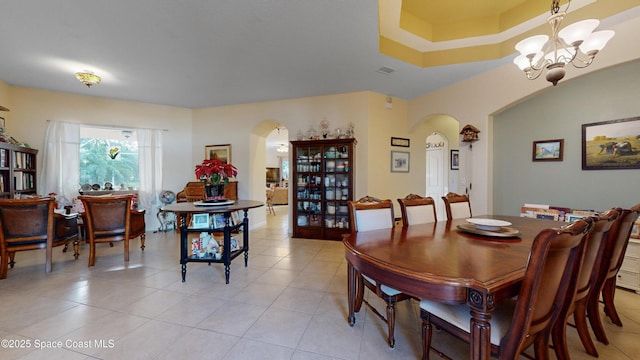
322,183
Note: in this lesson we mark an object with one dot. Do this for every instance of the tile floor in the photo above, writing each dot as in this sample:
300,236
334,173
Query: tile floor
289,303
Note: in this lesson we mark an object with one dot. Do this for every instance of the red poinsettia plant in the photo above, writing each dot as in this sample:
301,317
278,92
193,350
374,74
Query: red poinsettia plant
215,172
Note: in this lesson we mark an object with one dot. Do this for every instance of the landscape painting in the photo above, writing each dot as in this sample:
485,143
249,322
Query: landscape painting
613,144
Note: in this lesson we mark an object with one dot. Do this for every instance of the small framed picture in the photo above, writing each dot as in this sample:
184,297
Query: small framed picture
233,244
455,160
236,218
548,150
219,221
399,161
220,152
2,125
396,141
200,221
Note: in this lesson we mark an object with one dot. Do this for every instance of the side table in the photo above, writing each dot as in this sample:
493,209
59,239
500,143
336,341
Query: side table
187,208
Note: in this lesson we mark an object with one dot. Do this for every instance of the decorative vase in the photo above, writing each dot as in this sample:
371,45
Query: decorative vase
214,193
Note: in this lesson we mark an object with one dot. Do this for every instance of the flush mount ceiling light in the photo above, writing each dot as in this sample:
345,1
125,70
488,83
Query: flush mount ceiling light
88,78
576,44
282,148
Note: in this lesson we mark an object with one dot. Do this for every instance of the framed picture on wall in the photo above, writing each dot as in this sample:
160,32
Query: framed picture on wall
548,150
220,152
396,141
455,160
613,144
399,161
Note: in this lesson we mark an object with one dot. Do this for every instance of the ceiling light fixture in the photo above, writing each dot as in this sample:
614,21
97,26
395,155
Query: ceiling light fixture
88,78
569,45
282,148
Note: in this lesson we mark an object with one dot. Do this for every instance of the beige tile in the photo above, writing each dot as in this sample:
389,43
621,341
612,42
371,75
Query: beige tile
279,327
232,318
251,349
145,342
332,337
199,344
306,301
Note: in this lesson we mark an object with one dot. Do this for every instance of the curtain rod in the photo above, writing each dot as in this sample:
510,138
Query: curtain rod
113,126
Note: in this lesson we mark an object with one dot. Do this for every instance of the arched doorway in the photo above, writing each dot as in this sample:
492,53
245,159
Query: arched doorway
263,149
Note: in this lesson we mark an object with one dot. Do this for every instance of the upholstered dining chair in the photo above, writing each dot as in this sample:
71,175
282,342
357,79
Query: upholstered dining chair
417,210
26,224
457,206
108,220
593,254
138,227
516,324
605,285
366,214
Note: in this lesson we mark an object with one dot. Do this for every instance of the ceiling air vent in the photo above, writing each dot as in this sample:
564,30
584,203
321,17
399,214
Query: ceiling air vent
385,70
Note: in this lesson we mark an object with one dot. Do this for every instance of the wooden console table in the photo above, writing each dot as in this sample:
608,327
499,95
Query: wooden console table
188,208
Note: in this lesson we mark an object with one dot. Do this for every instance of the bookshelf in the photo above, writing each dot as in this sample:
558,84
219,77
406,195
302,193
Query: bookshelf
17,171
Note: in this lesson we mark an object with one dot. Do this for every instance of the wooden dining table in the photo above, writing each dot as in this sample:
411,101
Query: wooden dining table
440,262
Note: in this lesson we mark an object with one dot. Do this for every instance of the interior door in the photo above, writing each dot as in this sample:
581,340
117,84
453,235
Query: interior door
436,165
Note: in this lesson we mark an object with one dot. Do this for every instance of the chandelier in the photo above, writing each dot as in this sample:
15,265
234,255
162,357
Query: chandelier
88,78
282,148
576,44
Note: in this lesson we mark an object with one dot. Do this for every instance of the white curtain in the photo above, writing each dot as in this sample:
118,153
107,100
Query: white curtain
150,169
61,164
61,161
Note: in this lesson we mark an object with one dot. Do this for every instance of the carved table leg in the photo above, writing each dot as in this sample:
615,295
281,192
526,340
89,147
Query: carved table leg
481,307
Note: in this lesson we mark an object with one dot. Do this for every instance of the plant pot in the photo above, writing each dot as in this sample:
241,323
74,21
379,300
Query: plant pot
214,193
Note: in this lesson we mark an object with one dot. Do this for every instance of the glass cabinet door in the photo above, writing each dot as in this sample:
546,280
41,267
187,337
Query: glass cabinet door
308,184
336,187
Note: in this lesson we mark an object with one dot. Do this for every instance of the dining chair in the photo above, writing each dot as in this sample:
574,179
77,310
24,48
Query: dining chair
108,219
270,193
517,323
138,227
593,254
366,214
457,206
27,224
417,210
605,285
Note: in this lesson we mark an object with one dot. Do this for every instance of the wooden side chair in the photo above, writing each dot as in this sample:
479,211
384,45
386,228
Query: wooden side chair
27,224
593,254
138,227
605,285
554,258
108,219
269,194
366,214
457,206
417,210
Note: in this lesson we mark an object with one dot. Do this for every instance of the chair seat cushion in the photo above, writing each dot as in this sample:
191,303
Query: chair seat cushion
384,288
460,316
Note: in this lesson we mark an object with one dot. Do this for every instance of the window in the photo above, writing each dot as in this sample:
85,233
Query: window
109,155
